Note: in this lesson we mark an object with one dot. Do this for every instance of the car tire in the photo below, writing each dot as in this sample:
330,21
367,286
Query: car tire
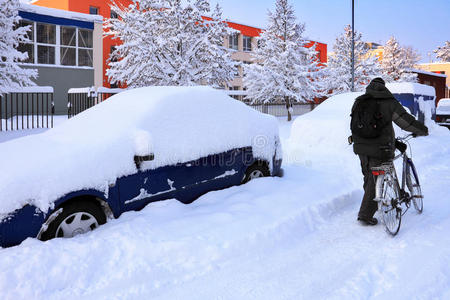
257,170
76,217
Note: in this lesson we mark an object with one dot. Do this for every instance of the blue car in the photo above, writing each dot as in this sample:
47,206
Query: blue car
154,178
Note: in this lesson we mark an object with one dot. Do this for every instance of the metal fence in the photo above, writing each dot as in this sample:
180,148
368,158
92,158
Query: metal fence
27,109
279,109
80,99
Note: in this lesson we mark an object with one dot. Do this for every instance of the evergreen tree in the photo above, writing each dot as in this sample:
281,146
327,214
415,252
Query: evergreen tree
395,64
443,53
12,76
339,71
411,56
411,59
166,42
284,68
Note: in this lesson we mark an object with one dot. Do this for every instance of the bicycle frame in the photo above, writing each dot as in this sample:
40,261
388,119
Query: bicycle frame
389,167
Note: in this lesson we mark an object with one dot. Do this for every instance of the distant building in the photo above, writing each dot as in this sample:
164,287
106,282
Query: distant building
442,68
65,47
242,44
436,80
376,50
93,7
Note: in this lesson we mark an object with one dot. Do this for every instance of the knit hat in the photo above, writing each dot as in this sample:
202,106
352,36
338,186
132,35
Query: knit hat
378,80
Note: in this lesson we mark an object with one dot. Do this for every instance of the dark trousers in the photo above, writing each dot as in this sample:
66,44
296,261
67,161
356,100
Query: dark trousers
368,206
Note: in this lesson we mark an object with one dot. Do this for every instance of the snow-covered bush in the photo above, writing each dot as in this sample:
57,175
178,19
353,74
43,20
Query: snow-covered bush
339,71
166,42
443,53
284,68
12,76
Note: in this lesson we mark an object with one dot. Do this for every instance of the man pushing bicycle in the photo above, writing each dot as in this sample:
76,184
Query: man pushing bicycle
374,137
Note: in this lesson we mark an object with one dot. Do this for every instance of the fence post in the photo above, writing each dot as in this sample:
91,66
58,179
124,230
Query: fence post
1,114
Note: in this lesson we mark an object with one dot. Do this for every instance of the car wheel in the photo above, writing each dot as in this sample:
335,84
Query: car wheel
76,217
256,170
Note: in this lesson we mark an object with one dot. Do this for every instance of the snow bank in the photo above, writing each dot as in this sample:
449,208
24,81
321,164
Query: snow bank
237,244
411,88
92,149
319,138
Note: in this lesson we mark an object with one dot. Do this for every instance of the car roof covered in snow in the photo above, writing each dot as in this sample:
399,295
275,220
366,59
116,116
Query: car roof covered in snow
444,102
411,88
92,149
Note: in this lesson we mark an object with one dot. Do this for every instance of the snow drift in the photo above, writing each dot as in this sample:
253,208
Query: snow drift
319,138
91,150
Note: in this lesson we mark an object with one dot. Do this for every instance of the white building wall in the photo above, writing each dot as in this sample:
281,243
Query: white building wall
98,54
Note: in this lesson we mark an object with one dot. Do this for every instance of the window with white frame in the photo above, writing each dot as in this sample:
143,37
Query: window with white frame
58,45
68,40
46,43
233,41
85,45
247,43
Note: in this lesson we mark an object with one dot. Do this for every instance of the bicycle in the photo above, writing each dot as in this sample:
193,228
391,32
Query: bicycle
393,200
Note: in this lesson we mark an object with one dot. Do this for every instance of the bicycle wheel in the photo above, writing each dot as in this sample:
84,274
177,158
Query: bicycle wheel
389,204
412,182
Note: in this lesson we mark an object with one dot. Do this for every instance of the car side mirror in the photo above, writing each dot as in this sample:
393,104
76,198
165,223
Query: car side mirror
139,159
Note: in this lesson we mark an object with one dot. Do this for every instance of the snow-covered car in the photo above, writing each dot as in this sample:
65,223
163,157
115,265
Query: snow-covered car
443,112
139,146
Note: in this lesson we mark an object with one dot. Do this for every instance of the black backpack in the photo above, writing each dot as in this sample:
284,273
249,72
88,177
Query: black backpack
366,119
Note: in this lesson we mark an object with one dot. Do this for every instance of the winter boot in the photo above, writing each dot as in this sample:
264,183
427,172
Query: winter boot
368,221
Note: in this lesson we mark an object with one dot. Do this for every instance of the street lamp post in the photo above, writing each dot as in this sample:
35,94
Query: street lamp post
353,45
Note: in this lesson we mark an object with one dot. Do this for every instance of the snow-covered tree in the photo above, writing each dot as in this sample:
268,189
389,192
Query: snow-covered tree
167,42
397,62
339,67
412,57
443,53
12,76
284,68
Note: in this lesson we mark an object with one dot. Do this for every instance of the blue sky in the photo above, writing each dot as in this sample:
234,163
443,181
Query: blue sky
423,24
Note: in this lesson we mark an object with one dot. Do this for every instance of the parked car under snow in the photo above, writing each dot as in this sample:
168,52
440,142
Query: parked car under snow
139,146
443,112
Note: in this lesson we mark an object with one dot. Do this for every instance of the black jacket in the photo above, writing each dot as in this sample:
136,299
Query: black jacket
383,147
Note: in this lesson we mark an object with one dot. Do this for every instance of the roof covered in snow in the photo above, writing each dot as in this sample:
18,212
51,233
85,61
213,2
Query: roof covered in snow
60,13
428,73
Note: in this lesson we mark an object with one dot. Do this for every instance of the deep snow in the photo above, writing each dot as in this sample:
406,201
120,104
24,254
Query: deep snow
294,237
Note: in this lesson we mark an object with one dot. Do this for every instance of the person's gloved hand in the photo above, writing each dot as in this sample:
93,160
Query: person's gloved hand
400,146
423,133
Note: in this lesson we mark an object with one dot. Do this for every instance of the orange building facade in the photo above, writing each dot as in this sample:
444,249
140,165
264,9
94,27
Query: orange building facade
241,44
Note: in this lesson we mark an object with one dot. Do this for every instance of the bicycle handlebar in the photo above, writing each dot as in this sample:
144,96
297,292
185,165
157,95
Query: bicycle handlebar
406,137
